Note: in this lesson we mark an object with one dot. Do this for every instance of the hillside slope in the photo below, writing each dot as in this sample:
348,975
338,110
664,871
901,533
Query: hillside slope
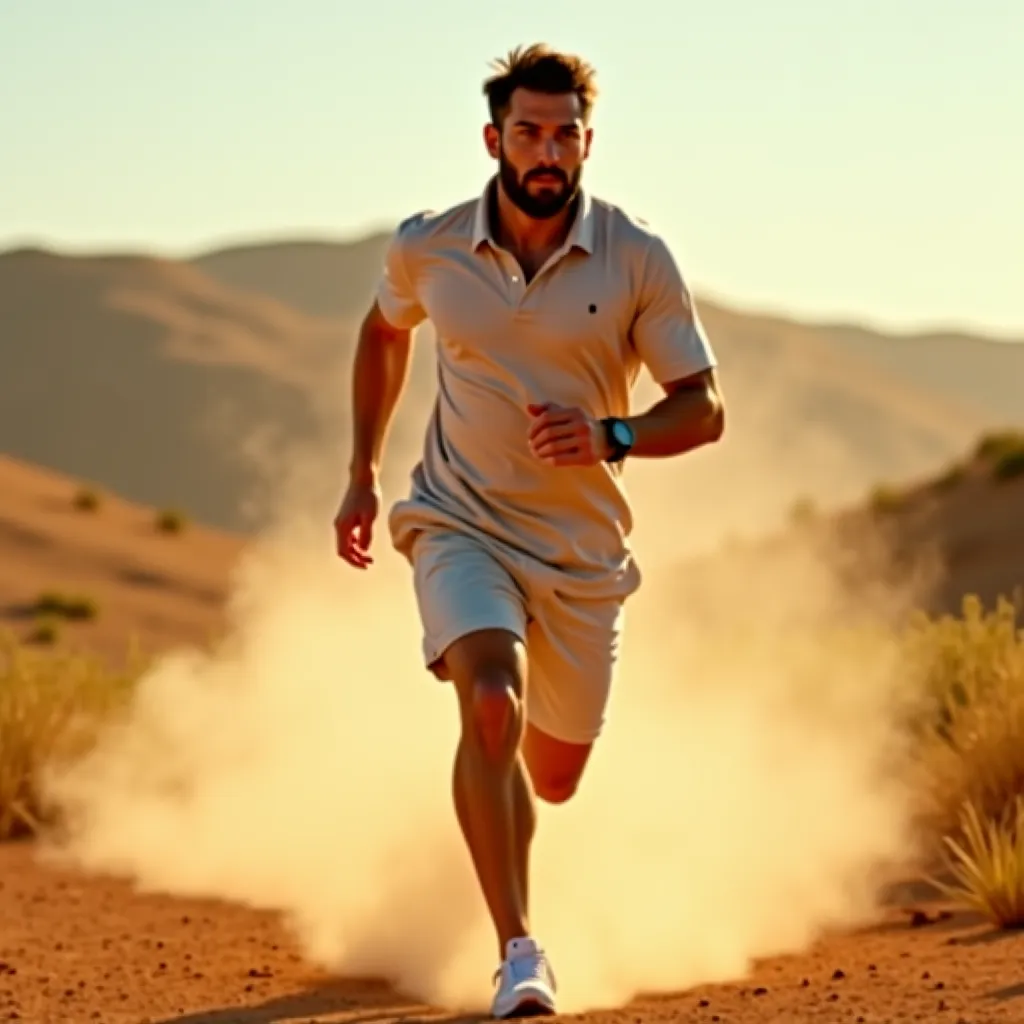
151,378
162,589
935,541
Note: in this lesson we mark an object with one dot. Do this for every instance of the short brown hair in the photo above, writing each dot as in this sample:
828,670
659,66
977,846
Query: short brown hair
539,69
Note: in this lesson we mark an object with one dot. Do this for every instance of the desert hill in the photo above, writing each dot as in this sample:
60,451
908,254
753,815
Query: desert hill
197,383
160,587
151,378
935,539
321,278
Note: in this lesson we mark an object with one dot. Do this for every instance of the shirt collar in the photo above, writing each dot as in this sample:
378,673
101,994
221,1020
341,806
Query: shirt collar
581,234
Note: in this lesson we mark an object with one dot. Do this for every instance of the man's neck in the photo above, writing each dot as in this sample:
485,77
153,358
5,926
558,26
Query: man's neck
515,230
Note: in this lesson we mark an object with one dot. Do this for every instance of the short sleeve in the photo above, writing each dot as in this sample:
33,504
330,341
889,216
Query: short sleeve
396,289
667,333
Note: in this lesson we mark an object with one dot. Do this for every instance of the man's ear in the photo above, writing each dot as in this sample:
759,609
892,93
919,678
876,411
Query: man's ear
492,140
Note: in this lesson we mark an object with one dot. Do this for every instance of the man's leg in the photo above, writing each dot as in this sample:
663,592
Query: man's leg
574,646
493,798
475,624
555,767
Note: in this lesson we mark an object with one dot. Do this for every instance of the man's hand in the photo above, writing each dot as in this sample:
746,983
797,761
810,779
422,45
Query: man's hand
566,437
353,525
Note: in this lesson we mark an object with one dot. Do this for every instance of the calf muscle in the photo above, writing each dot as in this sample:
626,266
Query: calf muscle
492,793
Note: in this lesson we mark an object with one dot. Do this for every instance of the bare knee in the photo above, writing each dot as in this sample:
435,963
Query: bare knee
556,789
487,670
495,713
555,766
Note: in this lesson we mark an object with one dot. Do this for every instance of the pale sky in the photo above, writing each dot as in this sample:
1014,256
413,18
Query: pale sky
824,157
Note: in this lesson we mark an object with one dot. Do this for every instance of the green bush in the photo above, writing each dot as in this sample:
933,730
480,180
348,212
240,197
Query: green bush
66,606
171,521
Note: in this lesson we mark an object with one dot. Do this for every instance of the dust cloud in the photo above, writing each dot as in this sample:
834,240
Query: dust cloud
743,801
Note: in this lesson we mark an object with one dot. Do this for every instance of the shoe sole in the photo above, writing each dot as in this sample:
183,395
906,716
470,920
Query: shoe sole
528,1008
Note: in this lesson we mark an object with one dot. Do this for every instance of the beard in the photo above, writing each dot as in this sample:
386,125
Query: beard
548,203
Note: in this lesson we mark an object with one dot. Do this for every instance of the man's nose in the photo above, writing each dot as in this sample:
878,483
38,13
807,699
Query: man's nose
549,151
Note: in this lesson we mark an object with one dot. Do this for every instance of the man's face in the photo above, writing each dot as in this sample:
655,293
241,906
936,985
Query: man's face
540,151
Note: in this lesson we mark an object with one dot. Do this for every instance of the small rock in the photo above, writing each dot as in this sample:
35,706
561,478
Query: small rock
805,983
838,975
703,1004
919,919
760,991
926,975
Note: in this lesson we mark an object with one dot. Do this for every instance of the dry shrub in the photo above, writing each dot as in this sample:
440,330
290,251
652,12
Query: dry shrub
972,733
972,755
171,520
86,499
1004,452
987,864
49,704
57,604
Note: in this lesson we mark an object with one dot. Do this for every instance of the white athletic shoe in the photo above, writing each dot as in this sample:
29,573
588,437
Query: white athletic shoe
526,983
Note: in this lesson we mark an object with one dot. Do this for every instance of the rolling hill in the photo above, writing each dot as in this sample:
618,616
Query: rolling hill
162,589
923,545
199,383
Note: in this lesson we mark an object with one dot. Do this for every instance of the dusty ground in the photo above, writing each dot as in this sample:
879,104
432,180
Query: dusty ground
75,949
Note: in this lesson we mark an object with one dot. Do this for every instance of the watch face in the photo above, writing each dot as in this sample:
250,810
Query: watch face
622,433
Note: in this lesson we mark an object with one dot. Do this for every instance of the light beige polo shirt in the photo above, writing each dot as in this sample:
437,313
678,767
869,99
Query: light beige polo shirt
610,301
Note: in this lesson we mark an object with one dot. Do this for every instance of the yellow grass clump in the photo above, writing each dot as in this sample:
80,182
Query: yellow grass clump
987,864
49,703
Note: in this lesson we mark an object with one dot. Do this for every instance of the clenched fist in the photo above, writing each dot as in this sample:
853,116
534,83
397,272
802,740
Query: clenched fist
564,436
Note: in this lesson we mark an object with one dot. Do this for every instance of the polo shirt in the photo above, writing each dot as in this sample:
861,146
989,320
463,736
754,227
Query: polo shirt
609,302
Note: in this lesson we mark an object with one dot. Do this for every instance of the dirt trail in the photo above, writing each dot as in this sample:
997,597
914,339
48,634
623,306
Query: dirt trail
76,949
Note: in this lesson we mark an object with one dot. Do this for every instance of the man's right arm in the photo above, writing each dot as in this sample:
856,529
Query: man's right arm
383,351
379,373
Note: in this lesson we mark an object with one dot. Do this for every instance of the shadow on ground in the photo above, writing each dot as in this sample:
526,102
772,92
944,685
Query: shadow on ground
341,1002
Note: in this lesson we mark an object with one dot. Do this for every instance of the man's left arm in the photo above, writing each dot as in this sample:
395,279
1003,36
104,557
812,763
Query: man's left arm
671,342
691,414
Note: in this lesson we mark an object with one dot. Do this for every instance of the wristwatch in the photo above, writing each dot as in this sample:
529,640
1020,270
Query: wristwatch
620,437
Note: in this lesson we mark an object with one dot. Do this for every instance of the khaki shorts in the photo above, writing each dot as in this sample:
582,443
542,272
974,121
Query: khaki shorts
572,644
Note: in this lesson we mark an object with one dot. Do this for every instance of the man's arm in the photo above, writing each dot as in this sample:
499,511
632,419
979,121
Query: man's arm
379,374
690,415
671,342
381,365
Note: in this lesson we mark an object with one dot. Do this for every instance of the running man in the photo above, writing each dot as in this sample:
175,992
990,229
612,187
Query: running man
546,303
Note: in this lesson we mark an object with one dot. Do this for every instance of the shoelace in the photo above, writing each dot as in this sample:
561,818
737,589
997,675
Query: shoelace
525,967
